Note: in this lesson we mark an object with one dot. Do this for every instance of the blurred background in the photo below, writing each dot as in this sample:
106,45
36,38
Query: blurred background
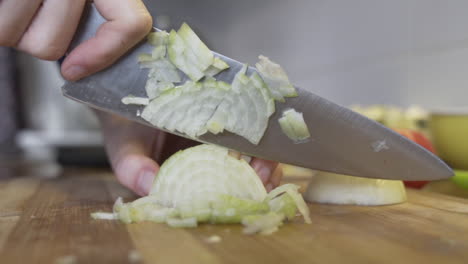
367,52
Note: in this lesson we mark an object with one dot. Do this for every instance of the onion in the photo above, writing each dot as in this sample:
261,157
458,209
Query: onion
333,188
204,184
293,125
130,99
276,79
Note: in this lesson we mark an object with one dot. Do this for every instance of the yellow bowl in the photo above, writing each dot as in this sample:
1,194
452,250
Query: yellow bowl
449,129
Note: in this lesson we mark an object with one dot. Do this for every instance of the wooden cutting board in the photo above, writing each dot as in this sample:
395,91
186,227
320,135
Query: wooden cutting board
47,221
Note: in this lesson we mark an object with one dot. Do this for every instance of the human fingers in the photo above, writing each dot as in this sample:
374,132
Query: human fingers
128,21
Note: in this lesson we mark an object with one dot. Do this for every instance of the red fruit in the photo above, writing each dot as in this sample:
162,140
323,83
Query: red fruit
422,140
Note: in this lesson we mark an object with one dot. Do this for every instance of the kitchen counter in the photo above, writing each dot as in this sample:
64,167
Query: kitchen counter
47,220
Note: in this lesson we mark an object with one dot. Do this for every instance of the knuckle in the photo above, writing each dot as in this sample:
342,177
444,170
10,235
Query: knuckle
46,51
7,41
140,25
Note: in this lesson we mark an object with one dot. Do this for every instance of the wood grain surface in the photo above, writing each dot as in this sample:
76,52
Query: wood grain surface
47,221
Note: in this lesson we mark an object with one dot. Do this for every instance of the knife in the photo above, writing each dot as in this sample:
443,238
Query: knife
341,141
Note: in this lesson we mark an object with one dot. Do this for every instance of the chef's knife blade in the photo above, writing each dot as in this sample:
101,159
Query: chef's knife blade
341,141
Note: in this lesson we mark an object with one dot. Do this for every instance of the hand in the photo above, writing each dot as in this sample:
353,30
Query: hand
45,28
134,151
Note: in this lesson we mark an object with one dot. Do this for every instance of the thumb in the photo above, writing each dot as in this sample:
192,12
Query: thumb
129,147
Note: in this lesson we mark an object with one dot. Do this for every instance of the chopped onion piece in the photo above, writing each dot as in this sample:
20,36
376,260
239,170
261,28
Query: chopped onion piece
264,223
301,205
217,67
104,216
130,99
159,52
185,108
284,204
145,57
213,239
162,70
158,38
182,223
189,53
154,87
245,110
276,79
334,188
293,125
230,209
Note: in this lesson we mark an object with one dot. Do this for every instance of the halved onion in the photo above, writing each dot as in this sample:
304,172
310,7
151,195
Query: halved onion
206,184
199,175
333,188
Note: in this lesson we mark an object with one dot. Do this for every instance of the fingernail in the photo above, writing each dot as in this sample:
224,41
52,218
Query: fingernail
264,173
145,181
269,187
75,72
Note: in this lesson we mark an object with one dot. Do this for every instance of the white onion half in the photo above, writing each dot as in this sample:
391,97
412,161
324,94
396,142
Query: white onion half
333,188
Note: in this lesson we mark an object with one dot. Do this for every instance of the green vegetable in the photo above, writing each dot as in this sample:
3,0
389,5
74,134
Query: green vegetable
293,125
461,178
